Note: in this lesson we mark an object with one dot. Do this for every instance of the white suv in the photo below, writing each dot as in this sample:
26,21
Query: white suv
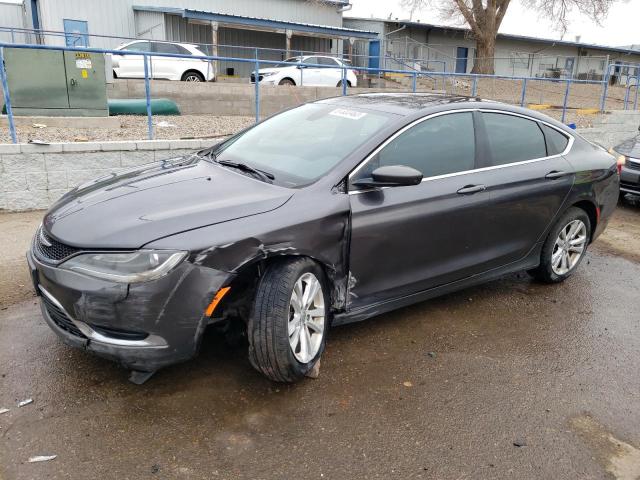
294,71
185,69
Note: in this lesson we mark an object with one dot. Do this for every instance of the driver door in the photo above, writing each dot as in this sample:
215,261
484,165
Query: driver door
408,239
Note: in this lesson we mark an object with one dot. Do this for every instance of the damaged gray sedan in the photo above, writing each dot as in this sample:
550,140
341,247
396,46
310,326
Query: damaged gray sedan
328,213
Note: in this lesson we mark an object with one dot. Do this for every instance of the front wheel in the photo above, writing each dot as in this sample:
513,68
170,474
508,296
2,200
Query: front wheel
192,77
288,326
287,82
565,247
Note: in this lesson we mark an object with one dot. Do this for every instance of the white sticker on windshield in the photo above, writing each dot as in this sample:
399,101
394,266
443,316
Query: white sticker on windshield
344,113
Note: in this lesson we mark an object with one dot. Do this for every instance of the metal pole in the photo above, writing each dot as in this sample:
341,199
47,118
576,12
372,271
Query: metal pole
7,98
566,99
605,87
524,92
474,88
257,88
626,96
147,90
415,81
635,102
13,38
344,80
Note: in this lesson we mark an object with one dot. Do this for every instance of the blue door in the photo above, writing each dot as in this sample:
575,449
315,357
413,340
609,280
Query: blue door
462,54
374,53
76,33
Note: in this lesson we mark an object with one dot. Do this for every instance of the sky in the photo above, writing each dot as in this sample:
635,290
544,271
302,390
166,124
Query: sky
619,29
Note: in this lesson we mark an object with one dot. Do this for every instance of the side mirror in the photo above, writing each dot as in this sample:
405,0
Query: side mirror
391,176
300,66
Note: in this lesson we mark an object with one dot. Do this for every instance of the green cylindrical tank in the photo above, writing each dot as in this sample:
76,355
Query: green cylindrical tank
138,106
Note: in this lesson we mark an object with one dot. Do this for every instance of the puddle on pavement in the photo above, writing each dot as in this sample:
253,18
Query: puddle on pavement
619,458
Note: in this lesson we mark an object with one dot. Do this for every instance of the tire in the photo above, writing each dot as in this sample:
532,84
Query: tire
287,82
553,246
192,76
273,315
340,84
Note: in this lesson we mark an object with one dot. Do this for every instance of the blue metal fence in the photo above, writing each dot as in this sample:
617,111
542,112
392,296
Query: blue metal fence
413,74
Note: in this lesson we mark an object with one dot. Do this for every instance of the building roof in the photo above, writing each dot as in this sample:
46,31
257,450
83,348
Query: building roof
261,22
505,36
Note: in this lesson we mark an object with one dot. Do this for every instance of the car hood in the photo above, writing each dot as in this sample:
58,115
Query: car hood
137,206
630,147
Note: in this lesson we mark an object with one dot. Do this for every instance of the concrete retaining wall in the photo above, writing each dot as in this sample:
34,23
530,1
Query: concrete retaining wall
226,98
35,176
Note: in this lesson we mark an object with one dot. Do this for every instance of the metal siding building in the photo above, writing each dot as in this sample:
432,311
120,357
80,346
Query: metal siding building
435,47
116,17
14,14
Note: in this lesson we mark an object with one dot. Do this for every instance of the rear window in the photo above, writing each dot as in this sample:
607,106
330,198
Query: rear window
556,141
513,139
170,48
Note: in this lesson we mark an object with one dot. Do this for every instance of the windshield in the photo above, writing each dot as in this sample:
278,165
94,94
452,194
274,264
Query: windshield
287,62
300,145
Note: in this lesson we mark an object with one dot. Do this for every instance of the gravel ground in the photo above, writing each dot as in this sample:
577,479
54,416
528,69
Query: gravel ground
135,128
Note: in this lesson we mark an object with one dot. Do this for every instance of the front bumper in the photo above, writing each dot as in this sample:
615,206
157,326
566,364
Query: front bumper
630,179
143,326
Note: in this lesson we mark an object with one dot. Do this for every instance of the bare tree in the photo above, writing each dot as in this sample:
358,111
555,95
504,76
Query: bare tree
484,18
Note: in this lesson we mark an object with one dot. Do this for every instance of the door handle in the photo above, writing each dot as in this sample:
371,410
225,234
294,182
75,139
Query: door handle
471,189
552,175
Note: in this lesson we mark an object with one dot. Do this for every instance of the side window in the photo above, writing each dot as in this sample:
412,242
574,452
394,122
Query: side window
311,60
437,146
138,47
159,47
328,61
513,139
556,141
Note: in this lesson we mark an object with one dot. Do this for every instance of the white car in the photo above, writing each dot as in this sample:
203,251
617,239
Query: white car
169,68
295,71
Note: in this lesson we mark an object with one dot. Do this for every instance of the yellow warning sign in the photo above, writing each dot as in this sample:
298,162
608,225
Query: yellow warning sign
85,74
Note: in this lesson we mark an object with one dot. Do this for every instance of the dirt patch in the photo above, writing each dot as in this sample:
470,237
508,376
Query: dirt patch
16,230
622,236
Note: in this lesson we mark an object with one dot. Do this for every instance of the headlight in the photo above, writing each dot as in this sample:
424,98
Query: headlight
267,74
131,267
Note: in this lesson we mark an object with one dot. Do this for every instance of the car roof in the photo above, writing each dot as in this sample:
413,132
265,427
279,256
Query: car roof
418,104
399,103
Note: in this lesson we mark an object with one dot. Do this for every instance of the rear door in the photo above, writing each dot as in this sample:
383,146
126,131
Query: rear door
527,179
169,67
408,239
132,66
329,77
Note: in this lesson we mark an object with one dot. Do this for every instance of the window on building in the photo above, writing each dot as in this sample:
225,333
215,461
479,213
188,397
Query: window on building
520,59
513,139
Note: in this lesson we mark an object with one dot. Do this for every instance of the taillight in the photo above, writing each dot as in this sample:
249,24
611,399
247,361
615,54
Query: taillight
621,160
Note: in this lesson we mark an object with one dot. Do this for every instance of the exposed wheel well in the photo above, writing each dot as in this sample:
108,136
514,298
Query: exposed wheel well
240,299
591,211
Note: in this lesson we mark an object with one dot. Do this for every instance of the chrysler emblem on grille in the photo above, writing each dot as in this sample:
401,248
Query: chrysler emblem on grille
43,239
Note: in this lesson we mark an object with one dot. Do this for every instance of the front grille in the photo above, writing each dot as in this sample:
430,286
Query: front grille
60,318
49,250
632,165
253,78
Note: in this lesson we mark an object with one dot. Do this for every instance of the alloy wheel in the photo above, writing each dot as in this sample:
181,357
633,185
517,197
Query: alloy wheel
192,78
306,318
569,247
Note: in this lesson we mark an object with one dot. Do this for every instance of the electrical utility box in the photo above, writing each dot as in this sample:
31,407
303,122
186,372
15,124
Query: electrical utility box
56,83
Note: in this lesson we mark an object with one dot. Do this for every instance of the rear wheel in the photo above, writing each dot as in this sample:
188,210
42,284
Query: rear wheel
340,84
288,325
192,76
565,247
287,82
